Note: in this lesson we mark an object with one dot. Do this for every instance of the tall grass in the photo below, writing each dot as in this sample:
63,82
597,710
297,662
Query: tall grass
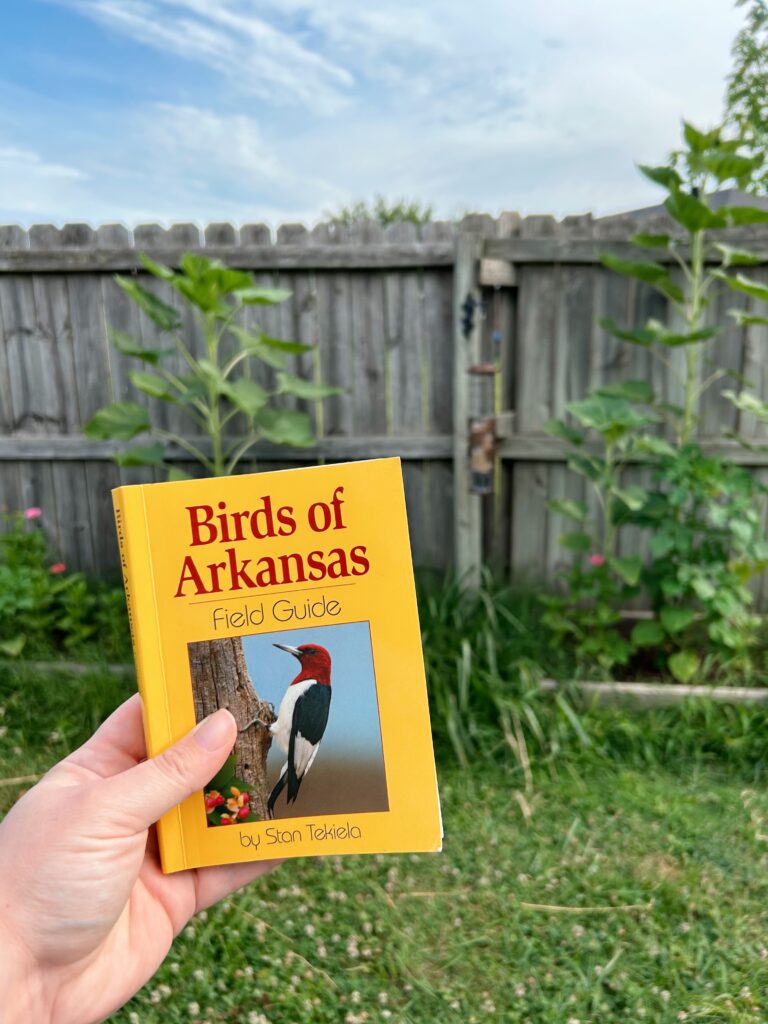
486,651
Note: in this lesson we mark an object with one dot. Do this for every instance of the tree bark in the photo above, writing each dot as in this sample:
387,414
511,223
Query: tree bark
220,679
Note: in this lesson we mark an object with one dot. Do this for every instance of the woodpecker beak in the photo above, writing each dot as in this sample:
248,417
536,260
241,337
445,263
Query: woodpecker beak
291,650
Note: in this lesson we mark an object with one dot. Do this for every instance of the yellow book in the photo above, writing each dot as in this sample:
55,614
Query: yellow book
289,598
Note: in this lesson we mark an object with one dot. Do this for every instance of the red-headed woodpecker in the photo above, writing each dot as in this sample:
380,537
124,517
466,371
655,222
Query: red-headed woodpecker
302,717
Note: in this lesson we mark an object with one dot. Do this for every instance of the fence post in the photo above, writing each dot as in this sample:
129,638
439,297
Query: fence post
468,539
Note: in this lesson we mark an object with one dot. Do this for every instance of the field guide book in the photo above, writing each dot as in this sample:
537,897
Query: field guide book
287,597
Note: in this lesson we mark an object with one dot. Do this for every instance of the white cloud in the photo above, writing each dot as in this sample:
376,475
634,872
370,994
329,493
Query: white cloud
497,104
251,54
29,184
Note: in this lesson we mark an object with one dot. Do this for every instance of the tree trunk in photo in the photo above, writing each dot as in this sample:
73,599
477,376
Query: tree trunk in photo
220,679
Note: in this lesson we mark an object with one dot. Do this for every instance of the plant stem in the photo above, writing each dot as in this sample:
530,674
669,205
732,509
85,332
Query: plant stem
694,312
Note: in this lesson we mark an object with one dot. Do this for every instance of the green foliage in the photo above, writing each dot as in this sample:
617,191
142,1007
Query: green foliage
746,105
701,515
46,610
663,812
485,650
204,388
383,211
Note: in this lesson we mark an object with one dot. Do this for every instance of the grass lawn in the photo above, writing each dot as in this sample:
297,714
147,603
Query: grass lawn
672,866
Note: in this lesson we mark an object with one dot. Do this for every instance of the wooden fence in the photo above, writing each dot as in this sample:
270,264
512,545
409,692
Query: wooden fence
383,308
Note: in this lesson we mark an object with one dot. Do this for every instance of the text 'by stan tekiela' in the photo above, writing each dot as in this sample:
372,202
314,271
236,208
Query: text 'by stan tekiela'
310,832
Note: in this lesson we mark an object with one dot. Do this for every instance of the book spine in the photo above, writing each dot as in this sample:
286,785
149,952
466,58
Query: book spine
136,568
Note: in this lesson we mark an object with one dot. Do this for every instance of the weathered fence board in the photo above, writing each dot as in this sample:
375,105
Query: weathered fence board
382,306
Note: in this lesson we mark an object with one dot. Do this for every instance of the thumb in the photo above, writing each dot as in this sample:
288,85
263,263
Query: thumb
144,793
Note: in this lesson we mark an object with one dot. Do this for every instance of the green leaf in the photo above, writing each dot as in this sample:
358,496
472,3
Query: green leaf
291,347
652,273
121,420
175,474
285,426
703,588
675,620
576,541
692,213
567,507
633,497
13,648
746,319
632,390
683,665
651,241
142,455
747,285
673,339
661,544
166,317
559,428
724,165
637,336
748,402
700,141
664,176
130,346
737,257
248,395
611,417
741,215
653,445
628,568
151,385
254,345
589,466
647,633
289,384
262,296
158,269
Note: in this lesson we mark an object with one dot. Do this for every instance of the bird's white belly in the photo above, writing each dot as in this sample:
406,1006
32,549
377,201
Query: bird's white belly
281,729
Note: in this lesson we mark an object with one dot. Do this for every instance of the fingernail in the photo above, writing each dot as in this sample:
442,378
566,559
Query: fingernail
214,731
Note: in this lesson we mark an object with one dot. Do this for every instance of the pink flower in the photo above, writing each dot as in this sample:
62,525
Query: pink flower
57,567
33,512
597,560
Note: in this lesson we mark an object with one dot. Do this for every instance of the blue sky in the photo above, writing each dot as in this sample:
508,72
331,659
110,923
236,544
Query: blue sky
277,110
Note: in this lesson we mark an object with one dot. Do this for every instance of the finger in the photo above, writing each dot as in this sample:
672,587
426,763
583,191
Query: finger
213,884
143,793
116,745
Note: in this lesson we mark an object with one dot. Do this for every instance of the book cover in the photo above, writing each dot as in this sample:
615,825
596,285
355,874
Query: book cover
287,597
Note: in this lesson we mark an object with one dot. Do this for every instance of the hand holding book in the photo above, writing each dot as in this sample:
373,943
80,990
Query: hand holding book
87,914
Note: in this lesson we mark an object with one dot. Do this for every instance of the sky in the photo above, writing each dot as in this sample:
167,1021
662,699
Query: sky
279,111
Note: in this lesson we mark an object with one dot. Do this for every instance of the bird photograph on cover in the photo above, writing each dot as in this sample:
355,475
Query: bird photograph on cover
309,737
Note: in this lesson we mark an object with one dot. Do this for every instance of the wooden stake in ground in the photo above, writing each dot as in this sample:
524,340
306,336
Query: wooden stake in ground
220,679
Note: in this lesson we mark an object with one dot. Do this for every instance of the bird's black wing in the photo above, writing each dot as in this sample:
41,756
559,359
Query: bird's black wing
310,717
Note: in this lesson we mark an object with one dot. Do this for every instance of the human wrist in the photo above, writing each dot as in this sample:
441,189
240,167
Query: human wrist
23,995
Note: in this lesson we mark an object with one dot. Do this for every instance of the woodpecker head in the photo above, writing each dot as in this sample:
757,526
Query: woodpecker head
315,662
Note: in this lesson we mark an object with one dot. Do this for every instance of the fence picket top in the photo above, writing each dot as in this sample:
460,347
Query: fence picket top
581,225
438,231
482,224
255,234
78,236
292,234
539,225
13,237
508,224
44,236
221,233
113,236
